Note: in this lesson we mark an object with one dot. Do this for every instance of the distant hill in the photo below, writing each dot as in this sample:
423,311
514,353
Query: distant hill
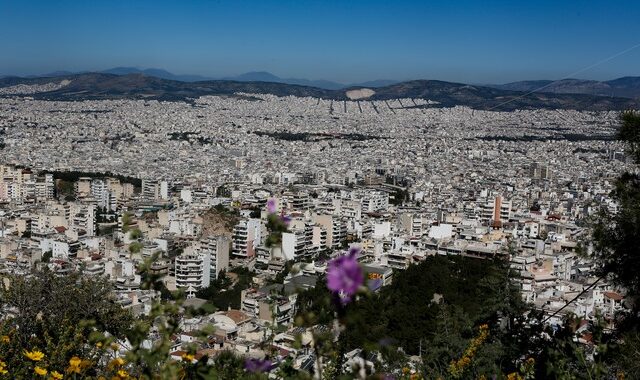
263,76
254,76
626,87
447,94
158,73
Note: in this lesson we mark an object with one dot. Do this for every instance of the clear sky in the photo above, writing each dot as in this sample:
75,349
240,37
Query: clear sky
346,41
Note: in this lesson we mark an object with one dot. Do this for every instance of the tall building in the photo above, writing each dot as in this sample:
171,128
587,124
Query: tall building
193,272
218,249
164,190
496,211
150,190
295,244
537,171
336,230
246,238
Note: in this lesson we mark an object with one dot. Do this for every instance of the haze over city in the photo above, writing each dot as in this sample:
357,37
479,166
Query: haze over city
343,41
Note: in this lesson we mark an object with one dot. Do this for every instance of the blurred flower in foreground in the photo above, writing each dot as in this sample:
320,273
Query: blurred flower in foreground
257,365
345,275
271,206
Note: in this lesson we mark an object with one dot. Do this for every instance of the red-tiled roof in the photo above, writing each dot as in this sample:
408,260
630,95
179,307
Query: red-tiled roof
614,296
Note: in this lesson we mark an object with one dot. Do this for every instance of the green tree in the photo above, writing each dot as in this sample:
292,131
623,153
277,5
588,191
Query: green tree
617,236
617,246
135,247
135,234
55,314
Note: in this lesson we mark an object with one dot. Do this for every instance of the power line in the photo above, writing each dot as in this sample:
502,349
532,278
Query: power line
625,51
574,298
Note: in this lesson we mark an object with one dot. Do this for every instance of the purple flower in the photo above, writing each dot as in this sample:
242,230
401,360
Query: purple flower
286,219
345,275
353,250
257,365
271,206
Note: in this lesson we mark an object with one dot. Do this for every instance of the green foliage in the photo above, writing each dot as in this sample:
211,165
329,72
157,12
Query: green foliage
629,132
135,234
65,189
126,220
276,225
399,197
73,176
55,314
135,247
404,311
617,235
223,293
314,305
223,191
617,252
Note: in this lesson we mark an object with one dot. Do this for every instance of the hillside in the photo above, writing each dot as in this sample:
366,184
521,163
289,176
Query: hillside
94,86
626,87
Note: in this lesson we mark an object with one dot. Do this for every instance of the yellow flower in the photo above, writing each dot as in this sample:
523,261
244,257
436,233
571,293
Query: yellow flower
123,374
117,362
5,339
40,371
115,347
188,357
3,368
56,375
99,344
36,355
74,365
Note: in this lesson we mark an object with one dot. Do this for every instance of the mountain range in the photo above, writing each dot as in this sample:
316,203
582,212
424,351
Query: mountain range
626,87
254,76
88,86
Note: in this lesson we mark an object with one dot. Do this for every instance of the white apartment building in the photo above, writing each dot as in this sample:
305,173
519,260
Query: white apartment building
246,238
193,272
218,248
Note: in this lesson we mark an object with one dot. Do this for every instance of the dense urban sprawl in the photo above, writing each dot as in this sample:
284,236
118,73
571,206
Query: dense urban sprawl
101,186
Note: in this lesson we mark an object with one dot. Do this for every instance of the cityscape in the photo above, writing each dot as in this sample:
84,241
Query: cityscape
239,228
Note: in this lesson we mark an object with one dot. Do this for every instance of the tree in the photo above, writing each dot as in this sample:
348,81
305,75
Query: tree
617,236
126,219
617,247
135,247
56,314
135,234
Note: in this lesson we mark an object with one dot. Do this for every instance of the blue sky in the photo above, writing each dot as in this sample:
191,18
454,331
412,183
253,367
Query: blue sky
346,41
